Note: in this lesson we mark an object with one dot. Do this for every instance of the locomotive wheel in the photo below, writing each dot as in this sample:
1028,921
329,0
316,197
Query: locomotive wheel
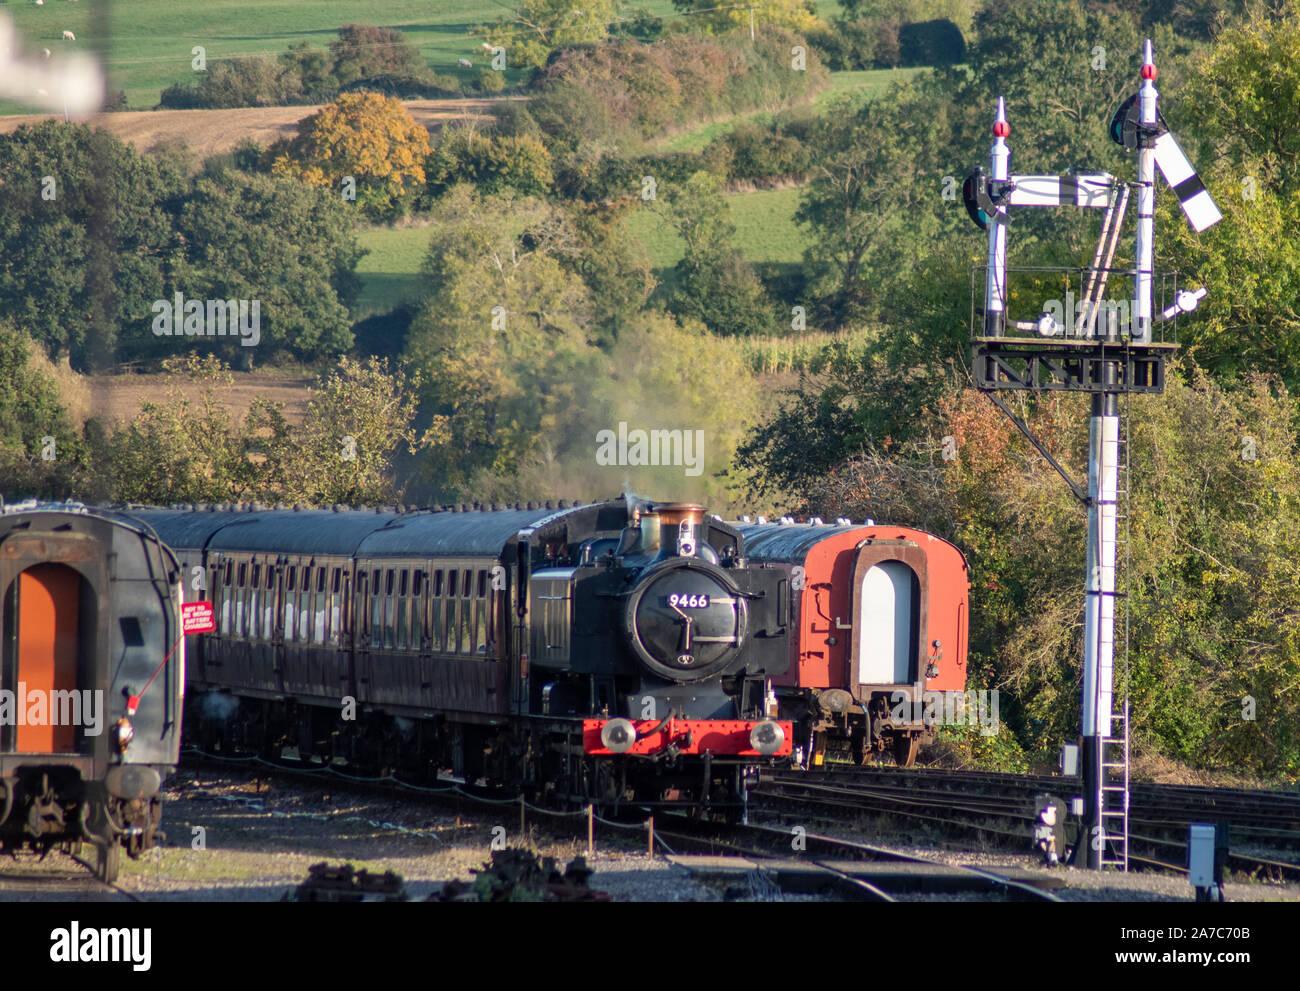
108,861
905,750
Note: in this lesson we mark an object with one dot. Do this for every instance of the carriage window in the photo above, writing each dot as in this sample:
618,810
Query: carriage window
255,603
402,608
304,606
435,611
318,610
465,642
390,609
417,582
480,615
336,608
241,602
289,576
482,583
229,570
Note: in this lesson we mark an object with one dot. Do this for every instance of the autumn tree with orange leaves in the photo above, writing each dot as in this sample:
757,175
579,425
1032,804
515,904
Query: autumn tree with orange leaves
364,147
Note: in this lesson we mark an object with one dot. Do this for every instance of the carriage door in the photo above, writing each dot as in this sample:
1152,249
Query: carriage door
45,603
890,588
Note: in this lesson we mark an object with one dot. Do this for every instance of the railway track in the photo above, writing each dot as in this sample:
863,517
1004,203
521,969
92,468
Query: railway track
826,864
850,869
60,877
1002,805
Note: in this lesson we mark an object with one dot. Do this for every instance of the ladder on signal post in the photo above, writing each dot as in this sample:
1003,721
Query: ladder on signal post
1113,778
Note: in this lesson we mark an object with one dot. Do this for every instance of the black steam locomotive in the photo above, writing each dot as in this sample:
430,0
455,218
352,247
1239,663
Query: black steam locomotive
92,680
613,652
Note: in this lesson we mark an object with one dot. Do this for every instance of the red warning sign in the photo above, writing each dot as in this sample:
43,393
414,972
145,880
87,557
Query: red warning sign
198,617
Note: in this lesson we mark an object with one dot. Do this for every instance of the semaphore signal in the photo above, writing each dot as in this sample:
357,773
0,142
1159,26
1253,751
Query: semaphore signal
1106,362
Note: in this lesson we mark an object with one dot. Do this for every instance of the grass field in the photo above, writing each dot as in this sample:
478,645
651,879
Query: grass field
390,273
765,231
147,45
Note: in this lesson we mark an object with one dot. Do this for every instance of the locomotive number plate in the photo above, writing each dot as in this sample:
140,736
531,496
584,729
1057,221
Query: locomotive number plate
688,601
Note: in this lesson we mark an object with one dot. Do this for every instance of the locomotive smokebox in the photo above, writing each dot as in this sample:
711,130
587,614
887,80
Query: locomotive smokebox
680,529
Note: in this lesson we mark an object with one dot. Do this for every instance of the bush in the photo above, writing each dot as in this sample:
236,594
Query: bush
422,87
624,91
847,45
254,81
886,48
180,96
491,162
755,153
491,81
931,43
364,51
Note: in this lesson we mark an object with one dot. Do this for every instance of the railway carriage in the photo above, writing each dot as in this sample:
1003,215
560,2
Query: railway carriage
616,651
92,680
881,623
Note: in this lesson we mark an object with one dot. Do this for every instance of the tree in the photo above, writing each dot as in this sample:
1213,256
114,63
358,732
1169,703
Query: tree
40,453
872,203
359,417
363,50
716,285
290,247
1063,69
536,28
796,15
614,265
501,338
182,449
490,162
361,139
248,81
1241,102
85,233
190,448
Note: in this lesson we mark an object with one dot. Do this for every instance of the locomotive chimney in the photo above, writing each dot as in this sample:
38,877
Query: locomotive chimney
680,529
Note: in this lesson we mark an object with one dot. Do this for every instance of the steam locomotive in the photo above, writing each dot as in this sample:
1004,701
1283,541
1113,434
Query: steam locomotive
92,679
620,651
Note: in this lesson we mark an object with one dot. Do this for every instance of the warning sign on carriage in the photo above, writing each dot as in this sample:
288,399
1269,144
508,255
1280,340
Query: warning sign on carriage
198,617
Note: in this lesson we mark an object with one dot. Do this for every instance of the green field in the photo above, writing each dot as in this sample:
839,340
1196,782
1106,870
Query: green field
146,44
868,81
765,231
390,273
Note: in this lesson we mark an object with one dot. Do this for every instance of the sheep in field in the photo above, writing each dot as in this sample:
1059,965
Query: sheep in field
69,36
